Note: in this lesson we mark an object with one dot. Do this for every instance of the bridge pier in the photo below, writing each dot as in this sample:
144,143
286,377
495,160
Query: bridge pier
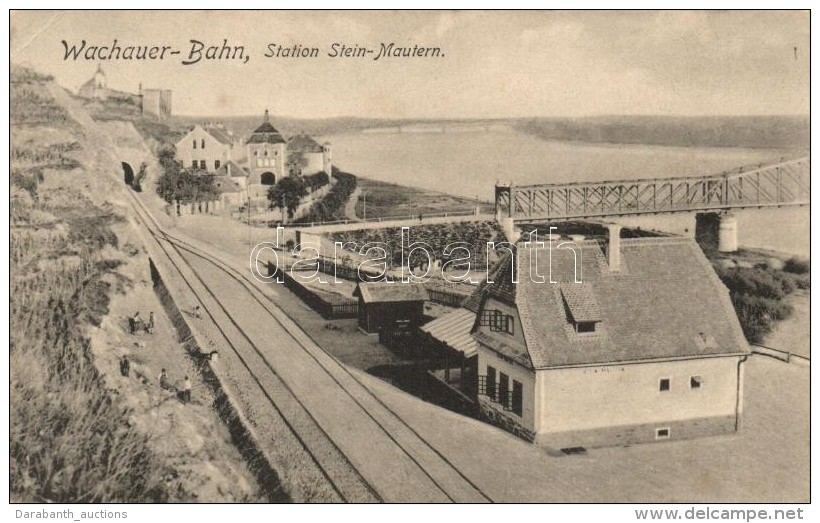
512,232
727,234
717,230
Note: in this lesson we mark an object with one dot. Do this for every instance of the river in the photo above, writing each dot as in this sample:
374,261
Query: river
469,163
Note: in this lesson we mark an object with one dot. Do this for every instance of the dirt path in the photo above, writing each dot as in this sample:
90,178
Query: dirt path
350,207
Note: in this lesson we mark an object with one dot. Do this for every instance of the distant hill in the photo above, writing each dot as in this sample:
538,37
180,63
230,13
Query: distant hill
788,132
695,131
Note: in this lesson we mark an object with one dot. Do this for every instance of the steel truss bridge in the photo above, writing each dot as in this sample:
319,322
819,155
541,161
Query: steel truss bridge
775,185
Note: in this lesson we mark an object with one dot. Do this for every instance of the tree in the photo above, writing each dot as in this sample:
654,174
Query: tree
296,162
176,184
316,180
287,194
171,169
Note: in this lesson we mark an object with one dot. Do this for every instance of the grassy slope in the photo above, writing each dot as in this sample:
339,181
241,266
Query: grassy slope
71,439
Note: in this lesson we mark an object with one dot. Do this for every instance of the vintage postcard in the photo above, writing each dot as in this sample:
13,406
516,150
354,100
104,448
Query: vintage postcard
409,257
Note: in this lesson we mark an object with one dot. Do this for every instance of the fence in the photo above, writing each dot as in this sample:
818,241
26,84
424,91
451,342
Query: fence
335,307
379,219
778,354
445,296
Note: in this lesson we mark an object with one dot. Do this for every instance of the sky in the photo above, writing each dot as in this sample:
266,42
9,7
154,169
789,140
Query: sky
494,65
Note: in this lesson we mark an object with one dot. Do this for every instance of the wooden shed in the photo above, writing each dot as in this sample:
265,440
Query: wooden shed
386,304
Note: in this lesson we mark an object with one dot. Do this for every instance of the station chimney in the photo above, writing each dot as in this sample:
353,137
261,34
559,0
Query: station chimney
613,249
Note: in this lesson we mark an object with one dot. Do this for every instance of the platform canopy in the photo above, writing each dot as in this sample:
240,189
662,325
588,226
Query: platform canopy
453,329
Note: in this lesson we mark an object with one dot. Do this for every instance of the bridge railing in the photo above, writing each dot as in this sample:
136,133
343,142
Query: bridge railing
379,219
784,183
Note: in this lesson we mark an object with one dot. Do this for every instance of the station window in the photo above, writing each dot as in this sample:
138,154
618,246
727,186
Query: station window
491,381
664,384
695,382
517,397
497,321
585,327
504,391
662,433
509,325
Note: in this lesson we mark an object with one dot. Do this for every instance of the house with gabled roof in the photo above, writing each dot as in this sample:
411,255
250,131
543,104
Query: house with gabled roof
647,347
206,148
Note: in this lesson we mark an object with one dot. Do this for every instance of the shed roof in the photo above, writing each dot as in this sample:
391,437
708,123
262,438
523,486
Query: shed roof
379,292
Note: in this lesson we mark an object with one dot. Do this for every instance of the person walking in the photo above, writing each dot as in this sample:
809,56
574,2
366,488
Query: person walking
125,366
163,380
149,327
186,390
197,313
136,322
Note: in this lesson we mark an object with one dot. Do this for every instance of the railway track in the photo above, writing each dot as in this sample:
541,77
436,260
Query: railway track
265,378
448,479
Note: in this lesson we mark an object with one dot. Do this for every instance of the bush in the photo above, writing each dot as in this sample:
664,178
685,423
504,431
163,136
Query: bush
28,180
22,75
797,266
757,315
331,207
758,296
802,281
287,194
316,181
30,105
755,281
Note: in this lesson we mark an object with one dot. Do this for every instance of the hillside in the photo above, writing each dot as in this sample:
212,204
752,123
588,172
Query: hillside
80,431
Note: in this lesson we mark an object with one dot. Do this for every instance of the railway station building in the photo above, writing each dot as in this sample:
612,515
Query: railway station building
646,348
